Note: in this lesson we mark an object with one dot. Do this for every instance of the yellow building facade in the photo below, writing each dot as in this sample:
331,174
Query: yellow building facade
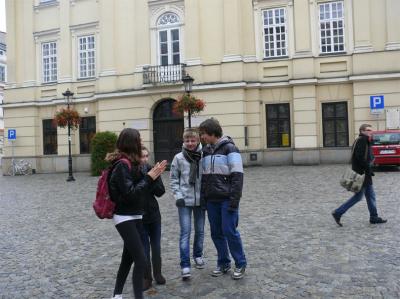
290,81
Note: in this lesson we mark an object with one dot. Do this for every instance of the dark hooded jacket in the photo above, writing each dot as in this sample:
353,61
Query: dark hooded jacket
222,172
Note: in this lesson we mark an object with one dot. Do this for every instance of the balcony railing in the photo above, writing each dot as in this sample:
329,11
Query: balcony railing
163,74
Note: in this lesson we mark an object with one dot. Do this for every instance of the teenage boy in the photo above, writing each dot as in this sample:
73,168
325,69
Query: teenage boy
185,180
221,189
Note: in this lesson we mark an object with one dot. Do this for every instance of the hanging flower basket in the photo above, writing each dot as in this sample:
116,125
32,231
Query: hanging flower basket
186,103
65,115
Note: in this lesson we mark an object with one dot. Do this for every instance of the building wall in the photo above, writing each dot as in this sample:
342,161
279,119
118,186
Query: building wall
222,46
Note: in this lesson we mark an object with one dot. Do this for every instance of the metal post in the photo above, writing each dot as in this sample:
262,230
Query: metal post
12,158
189,118
70,176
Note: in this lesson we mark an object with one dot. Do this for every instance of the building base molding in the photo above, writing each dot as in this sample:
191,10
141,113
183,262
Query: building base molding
306,157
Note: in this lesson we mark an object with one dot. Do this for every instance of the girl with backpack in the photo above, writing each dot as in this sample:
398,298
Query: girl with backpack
127,186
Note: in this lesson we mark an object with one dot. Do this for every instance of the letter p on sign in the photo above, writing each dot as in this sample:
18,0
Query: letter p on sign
377,102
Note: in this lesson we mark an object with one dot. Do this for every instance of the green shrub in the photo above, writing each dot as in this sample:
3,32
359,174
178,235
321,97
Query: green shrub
102,143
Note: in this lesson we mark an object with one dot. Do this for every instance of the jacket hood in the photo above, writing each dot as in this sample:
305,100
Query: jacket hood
116,155
222,141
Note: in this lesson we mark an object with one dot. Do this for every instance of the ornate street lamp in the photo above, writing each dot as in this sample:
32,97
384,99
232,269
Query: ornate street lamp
70,178
188,83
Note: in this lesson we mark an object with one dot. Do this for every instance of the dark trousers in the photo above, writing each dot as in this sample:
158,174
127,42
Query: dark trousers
132,253
151,238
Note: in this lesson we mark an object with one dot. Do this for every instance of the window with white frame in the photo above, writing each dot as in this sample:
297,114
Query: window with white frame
331,24
87,56
275,37
169,39
49,62
2,73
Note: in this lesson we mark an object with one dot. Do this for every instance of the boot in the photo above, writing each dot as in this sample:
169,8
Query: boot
147,281
157,272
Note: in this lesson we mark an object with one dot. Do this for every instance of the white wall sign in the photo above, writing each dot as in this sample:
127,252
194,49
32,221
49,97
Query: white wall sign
140,124
393,118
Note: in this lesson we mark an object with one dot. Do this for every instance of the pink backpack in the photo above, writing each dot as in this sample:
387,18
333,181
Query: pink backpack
103,205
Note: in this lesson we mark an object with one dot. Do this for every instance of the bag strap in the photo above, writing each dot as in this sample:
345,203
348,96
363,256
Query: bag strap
127,162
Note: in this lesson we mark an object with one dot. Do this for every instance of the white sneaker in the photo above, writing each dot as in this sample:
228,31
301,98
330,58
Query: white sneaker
185,273
199,262
117,297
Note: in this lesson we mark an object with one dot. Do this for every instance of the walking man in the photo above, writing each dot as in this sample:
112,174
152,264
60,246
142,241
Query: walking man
361,161
221,189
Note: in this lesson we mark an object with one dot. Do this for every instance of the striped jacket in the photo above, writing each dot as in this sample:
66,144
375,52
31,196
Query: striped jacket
222,169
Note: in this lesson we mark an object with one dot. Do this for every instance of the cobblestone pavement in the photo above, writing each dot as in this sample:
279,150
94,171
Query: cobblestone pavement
53,246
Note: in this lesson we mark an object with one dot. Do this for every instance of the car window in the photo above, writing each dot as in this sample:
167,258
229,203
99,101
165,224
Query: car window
386,139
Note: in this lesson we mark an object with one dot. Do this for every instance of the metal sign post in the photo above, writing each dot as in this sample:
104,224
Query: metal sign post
12,136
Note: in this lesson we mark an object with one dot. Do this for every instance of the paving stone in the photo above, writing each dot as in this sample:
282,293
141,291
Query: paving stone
53,246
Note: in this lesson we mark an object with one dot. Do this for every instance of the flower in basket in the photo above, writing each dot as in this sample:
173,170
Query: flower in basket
65,115
186,103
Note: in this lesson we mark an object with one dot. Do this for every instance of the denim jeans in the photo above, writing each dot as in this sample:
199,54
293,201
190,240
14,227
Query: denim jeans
151,238
224,233
369,192
185,221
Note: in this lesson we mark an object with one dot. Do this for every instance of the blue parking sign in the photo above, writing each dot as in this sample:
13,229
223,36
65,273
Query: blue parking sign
376,102
12,134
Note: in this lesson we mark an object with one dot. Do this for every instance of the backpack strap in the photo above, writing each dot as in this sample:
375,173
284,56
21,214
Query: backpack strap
127,162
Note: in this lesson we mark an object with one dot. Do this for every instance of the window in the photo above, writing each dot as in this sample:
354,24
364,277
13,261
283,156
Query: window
331,22
49,137
2,73
335,124
87,61
49,62
168,39
87,129
278,125
275,38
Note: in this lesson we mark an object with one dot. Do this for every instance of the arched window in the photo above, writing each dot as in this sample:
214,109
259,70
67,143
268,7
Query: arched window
169,47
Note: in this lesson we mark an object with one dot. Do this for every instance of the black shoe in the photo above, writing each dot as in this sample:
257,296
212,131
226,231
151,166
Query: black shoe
377,220
337,218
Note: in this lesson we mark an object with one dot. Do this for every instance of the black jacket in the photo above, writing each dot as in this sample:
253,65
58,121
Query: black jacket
222,169
127,188
151,208
362,158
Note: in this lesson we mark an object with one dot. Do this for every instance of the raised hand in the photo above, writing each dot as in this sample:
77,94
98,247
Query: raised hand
158,169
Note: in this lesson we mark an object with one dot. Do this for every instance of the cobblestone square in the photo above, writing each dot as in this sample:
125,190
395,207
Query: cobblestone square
53,246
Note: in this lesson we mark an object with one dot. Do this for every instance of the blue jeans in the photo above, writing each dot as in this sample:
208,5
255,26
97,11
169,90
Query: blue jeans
224,233
185,221
151,238
369,192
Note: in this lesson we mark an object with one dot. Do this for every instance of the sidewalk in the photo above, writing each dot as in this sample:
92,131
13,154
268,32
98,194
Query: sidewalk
53,246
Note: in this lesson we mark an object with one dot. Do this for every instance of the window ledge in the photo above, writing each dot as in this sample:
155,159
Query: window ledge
86,79
333,54
46,4
275,58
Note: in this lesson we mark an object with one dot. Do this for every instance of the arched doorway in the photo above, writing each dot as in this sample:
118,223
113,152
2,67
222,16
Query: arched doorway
167,131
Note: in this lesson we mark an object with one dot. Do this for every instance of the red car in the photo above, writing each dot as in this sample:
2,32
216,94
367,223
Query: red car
386,147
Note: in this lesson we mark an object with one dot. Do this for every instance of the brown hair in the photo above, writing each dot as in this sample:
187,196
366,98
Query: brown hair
130,144
211,127
363,127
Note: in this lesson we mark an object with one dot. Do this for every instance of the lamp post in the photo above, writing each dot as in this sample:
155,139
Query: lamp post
188,83
70,178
